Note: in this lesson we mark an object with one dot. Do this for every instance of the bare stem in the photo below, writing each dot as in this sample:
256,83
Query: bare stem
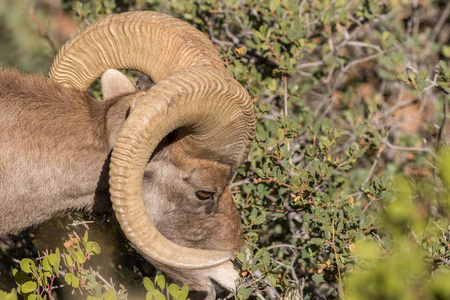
440,23
413,149
337,263
441,128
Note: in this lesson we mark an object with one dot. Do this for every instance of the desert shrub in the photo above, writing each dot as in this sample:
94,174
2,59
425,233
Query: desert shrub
348,94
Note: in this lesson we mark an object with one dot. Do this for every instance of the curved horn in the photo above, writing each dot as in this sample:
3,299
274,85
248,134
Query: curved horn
152,43
193,91
189,98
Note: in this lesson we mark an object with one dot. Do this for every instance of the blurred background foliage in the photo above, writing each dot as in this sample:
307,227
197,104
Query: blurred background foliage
31,33
345,194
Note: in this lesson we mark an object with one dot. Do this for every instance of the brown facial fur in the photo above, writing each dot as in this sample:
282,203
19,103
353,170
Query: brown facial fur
177,178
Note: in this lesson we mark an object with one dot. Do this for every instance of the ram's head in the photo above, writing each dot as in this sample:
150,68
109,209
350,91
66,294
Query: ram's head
180,145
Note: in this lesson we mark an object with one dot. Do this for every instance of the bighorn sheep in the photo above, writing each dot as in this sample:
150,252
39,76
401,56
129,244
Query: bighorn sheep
168,153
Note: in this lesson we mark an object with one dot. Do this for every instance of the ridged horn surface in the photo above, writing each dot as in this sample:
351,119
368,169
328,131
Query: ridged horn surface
152,43
189,98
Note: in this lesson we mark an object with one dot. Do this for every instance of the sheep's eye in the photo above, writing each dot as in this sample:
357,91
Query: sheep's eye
204,195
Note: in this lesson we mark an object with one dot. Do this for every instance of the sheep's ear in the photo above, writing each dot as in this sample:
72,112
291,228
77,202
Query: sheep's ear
115,84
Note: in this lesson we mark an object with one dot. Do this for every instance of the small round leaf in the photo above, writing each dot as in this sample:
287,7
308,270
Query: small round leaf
29,287
28,266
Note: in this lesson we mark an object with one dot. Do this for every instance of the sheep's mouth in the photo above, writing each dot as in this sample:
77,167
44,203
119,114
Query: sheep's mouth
222,292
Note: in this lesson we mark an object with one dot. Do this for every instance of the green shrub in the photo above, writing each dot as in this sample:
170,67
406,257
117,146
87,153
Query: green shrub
347,95
160,290
410,258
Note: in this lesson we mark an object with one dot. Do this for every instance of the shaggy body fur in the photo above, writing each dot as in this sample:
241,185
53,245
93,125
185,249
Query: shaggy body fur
53,145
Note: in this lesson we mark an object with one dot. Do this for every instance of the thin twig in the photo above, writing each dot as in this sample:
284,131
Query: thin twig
284,246
111,287
399,105
413,149
432,82
380,242
439,24
258,295
224,44
365,45
441,128
439,226
361,60
76,223
230,35
240,183
310,64
17,261
337,263
286,96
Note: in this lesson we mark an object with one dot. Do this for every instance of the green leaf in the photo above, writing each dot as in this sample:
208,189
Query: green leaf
272,85
345,167
244,292
29,287
272,277
266,259
155,295
45,275
21,277
241,256
28,266
68,278
75,282
318,278
86,236
259,219
8,296
80,257
173,289
56,268
46,264
340,227
93,247
148,284
259,35
160,281
273,5
110,295
184,293
68,260
72,280
340,3
446,51
58,256
52,259
277,48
